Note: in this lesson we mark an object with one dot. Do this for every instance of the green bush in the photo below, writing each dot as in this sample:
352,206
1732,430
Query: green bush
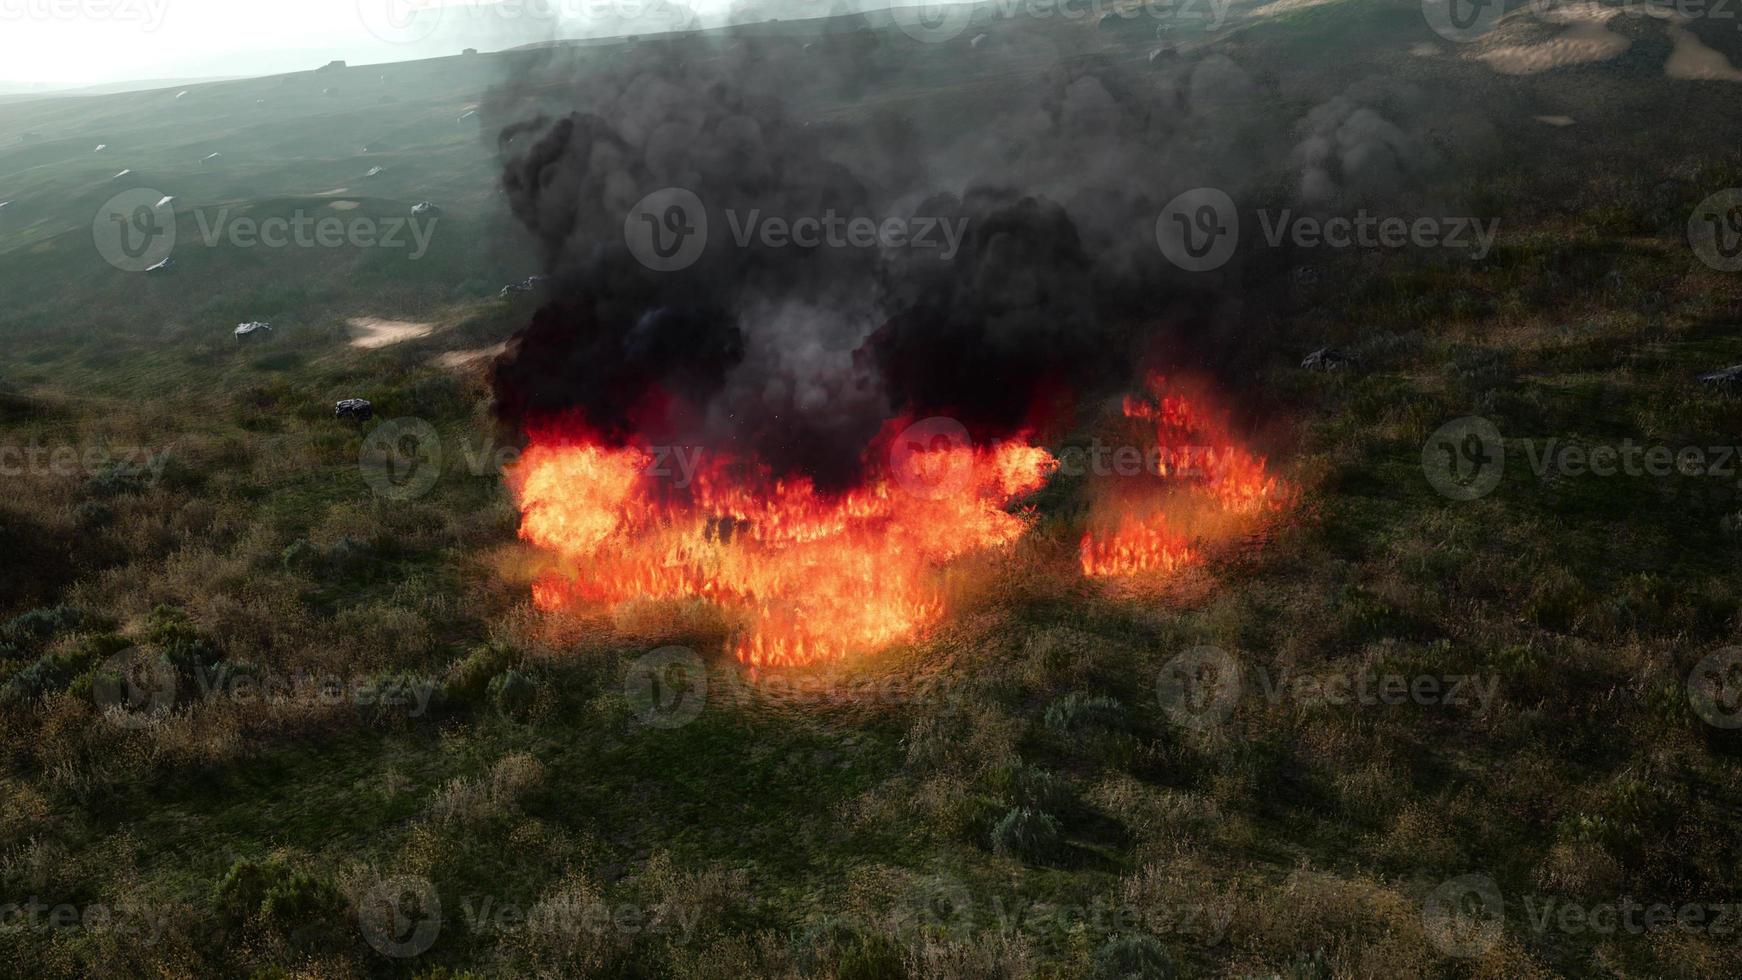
1077,713
273,895
1031,835
512,692
468,681
1134,958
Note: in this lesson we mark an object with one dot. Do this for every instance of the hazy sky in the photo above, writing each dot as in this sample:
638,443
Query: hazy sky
81,42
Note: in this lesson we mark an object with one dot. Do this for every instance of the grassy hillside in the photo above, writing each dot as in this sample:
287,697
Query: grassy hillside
1012,795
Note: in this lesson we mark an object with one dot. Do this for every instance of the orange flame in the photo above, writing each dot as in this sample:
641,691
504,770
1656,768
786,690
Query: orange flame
1210,483
815,575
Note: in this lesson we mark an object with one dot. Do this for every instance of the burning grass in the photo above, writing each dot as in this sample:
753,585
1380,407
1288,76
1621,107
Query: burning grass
810,577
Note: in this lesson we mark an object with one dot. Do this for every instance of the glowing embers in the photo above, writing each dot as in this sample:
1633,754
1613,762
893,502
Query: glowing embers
810,576
1197,485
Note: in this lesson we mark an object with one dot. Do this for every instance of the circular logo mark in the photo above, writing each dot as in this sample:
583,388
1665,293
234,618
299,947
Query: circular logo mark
933,458
401,459
1464,458
1464,916
667,688
932,21
667,230
1462,21
400,21
401,917
139,687
1715,230
1198,688
1198,230
940,902
1715,688
135,230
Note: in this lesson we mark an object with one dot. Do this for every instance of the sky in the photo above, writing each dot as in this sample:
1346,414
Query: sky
71,43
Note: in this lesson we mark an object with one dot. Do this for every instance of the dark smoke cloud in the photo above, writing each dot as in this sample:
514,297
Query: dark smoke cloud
798,357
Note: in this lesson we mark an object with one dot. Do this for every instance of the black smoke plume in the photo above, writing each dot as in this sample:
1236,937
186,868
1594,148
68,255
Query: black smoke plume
799,356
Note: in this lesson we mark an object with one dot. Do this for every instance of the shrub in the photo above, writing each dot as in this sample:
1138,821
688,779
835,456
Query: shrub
1077,713
512,692
272,894
1031,835
38,626
1038,789
1134,958
855,955
468,681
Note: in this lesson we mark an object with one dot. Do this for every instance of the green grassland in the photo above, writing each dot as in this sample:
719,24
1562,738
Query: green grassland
1003,797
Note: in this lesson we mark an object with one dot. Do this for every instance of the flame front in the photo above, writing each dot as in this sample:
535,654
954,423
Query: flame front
1210,486
812,575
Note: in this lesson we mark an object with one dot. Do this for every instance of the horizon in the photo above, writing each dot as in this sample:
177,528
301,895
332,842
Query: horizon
62,45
